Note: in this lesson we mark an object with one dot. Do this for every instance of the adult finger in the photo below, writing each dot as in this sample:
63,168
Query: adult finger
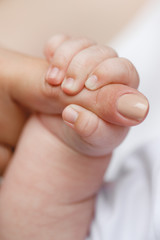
36,94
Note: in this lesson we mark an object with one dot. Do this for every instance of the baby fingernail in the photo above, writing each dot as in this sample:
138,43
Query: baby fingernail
68,83
91,82
70,115
133,106
52,74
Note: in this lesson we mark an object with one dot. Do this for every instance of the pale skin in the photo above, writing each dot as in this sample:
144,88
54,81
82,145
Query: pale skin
59,162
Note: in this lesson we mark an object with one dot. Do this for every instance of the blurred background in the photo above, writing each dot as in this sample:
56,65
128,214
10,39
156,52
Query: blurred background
26,25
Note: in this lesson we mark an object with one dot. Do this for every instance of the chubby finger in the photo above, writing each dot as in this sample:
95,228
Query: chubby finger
113,70
82,64
52,44
93,131
62,58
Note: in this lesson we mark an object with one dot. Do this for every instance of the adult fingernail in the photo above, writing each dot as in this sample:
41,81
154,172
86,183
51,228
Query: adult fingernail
133,106
52,75
68,83
91,82
70,115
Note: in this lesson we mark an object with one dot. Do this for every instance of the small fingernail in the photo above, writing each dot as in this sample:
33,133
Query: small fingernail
52,74
133,106
68,83
91,82
70,115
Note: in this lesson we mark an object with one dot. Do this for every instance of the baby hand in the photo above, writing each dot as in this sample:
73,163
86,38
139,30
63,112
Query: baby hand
117,102
78,64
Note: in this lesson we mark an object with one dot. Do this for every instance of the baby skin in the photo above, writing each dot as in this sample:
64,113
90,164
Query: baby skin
76,113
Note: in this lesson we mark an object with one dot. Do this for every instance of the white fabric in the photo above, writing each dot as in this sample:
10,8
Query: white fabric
128,206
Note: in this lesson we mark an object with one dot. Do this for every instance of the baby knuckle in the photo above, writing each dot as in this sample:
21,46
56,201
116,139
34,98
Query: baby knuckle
57,38
89,125
107,51
130,71
111,52
79,62
126,68
86,41
61,59
54,42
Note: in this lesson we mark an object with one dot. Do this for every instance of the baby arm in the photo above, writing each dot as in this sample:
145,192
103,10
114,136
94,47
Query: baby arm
60,167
